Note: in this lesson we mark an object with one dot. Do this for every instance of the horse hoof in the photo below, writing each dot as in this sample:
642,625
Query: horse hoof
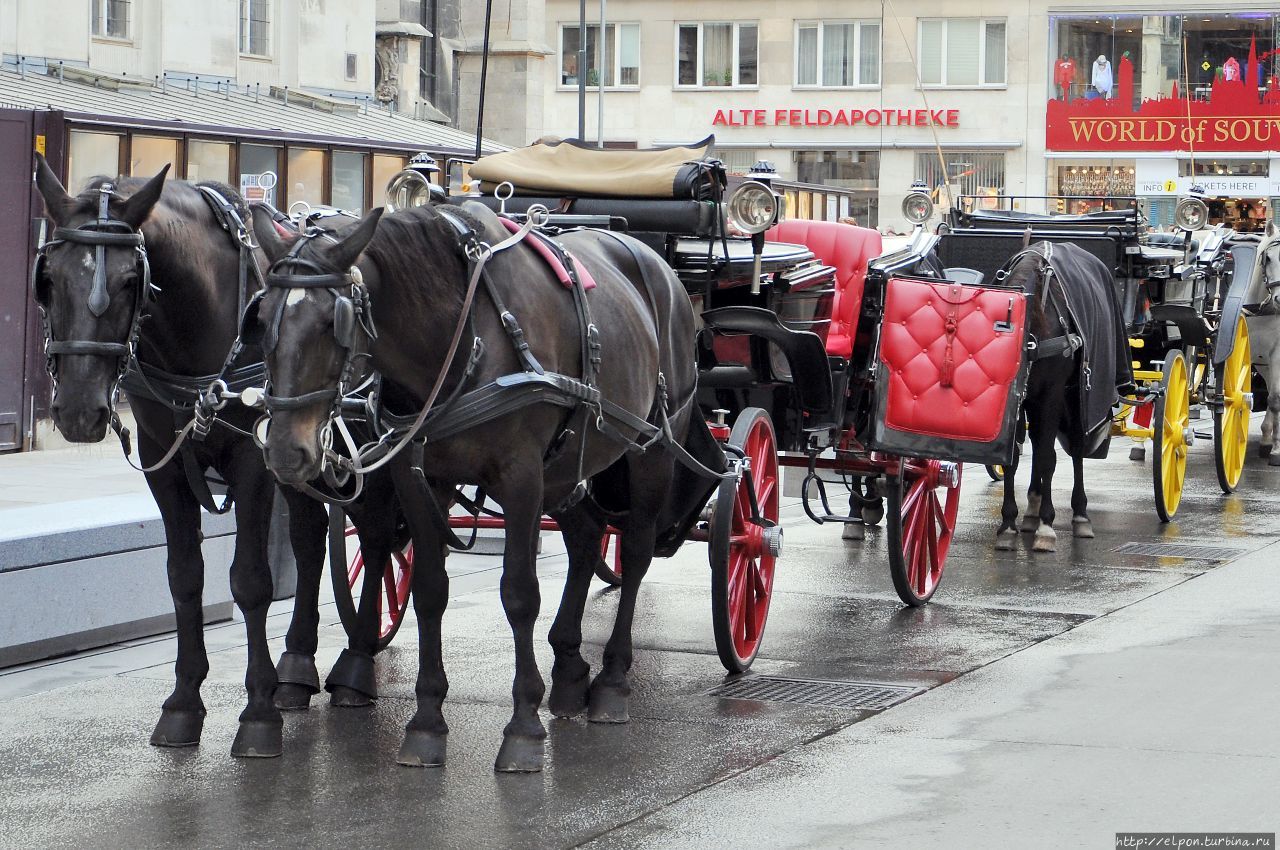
1138,453
872,514
1081,527
1046,539
341,697
1030,523
1264,450
853,531
353,671
178,728
520,754
1273,459
568,700
1006,540
258,739
608,705
291,697
294,668
422,749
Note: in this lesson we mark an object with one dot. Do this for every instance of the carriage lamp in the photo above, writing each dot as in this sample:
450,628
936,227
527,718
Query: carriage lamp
413,187
753,207
1192,213
917,206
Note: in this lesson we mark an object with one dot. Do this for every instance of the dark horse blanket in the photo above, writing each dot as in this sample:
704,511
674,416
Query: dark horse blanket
1093,312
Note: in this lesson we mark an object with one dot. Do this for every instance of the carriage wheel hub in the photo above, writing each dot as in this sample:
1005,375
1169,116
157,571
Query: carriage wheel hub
772,538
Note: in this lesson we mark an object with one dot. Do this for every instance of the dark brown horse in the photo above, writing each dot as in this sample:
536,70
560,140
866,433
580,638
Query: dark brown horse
1078,364
94,296
530,460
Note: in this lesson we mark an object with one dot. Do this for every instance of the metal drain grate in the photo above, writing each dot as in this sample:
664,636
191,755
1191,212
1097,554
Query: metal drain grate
872,696
1180,550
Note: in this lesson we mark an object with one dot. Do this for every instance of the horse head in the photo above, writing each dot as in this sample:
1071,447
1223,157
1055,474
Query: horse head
313,322
90,280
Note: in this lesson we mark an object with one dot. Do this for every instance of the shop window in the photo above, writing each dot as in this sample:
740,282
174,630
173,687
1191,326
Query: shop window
91,155
621,55
962,52
1091,185
111,18
1225,168
737,161
347,180
384,168
208,161
259,173
306,177
855,173
255,27
717,54
838,54
976,173
149,154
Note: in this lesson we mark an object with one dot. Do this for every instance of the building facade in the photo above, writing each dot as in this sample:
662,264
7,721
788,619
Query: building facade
975,98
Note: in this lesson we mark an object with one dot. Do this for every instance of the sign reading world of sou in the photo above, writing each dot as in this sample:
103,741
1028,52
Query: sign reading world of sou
1235,117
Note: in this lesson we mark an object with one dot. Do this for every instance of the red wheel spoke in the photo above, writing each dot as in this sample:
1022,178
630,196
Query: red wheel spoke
353,572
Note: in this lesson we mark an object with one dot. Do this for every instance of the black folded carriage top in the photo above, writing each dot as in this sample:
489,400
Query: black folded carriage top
1125,218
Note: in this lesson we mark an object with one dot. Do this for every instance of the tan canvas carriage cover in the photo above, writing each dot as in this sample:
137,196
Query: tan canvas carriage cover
573,168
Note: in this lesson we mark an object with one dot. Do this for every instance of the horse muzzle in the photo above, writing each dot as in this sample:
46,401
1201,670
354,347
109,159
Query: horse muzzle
80,417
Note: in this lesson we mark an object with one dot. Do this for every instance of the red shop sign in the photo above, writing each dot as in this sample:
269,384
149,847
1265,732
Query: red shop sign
787,117
1236,117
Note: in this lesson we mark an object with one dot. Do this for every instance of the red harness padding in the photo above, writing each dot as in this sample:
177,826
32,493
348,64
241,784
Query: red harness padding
950,355
539,244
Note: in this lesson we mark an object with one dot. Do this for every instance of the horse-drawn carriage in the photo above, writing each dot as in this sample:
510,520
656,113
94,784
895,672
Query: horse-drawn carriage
1182,307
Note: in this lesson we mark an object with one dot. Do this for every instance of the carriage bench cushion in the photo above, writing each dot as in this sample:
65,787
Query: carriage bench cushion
847,249
951,370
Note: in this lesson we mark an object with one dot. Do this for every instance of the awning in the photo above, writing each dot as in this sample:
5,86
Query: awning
232,112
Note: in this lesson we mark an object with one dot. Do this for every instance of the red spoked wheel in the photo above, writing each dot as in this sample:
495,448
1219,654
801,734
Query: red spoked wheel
743,554
348,579
609,570
924,500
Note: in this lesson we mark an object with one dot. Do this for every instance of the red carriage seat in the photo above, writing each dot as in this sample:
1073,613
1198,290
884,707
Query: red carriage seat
846,248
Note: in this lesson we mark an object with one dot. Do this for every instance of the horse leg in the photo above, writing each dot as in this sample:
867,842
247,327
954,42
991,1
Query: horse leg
427,733
1007,535
1080,524
520,495
651,476
296,669
1271,438
1044,432
182,715
260,732
570,674
352,682
1031,519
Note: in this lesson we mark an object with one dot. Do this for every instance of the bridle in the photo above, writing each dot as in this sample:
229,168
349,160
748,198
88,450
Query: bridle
351,310
102,233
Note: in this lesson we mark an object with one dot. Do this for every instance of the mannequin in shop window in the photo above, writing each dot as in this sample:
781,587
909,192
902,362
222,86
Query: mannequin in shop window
1231,70
1064,71
1101,79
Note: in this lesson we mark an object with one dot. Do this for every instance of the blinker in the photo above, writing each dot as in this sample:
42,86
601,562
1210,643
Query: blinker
344,321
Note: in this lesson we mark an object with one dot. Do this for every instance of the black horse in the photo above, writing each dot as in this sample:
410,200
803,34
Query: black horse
413,267
93,282
1079,362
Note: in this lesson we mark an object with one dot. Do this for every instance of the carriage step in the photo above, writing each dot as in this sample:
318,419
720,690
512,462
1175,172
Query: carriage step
866,696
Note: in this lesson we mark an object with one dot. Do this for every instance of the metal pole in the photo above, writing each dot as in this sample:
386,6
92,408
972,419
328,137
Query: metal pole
600,42
582,69
484,74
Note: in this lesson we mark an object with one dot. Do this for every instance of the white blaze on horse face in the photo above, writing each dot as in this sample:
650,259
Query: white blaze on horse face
88,260
295,296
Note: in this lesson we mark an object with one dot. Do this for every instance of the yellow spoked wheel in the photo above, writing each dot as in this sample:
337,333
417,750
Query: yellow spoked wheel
1170,425
995,472
1231,422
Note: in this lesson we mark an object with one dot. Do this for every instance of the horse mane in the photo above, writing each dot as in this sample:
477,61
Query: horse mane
415,245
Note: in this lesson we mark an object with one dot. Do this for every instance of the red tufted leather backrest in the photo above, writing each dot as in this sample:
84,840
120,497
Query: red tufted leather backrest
847,249
949,356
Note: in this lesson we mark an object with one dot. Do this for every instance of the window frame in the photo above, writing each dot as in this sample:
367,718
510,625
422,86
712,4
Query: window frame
982,53
244,37
617,56
98,23
821,23
736,51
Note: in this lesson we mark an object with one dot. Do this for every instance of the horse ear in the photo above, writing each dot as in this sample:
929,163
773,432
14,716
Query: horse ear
139,204
264,227
1271,228
57,202
346,252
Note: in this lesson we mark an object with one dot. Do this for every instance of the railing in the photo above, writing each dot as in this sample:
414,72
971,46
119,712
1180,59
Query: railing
821,203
